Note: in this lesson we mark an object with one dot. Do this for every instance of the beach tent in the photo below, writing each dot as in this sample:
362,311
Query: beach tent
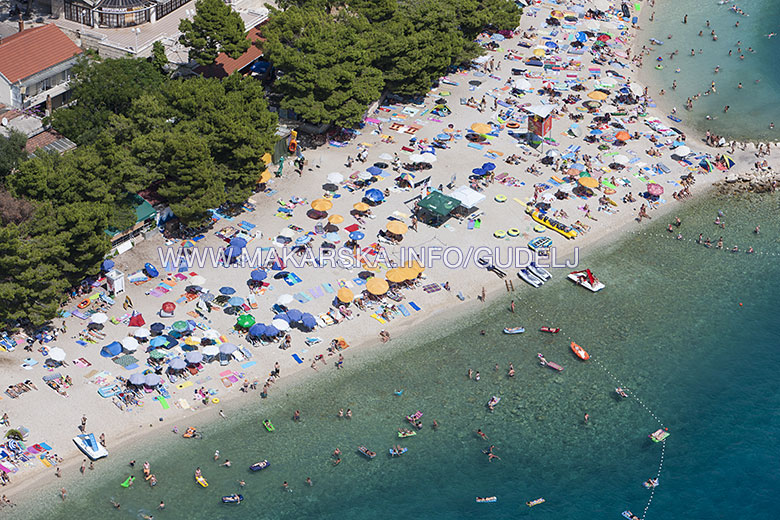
707,165
374,195
467,197
729,161
438,205
112,349
107,265
136,320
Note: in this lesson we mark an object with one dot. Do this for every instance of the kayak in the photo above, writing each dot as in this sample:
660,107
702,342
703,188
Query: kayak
257,466
532,503
268,425
514,330
232,499
551,330
580,352
202,481
486,500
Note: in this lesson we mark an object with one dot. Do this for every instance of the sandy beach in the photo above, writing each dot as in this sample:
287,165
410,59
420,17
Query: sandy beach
54,419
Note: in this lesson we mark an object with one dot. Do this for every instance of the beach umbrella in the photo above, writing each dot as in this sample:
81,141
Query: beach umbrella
377,286
308,321
481,128
321,204
636,89
265,176
294,315
373,170
141,332
197,280
415,266
211,334
428,158
539,52
99,318
365,176
168,307
211,350
581,37
282,316
489,166
655,189
238,242
285,299
357,235
416,157
551,45
522,84
335,219
497,37
159,341
329,187
227,291
235,301
332,237
281,325
588,182
345,295
137,379
707,164
192,341
305,239
682,151
622,136
603,38
556,14
157,354
180,326
335,177
107,265
193,289
57,354
193,358
361,207
257,330
177,364
729,161
598,95
289,233
396,275
130,344
620,159
271,331
374,195
479,172
152,380
245,321
258,275
397,228
227,348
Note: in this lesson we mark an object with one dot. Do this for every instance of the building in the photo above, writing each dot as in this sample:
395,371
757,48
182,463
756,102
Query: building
35,67
118,13
145,220
224,65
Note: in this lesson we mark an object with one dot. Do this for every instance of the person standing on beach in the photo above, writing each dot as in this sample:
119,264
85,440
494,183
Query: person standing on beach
512,306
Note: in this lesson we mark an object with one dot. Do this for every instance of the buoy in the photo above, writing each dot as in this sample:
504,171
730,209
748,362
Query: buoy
499,234
513,232
740,304
215,400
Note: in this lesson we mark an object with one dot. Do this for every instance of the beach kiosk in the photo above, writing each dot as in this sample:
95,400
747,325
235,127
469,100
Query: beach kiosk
539,121
115,280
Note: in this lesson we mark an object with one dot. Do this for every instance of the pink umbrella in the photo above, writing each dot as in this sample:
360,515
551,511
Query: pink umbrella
655,189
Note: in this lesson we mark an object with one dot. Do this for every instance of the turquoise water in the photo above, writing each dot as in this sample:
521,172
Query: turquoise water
668,326
755,105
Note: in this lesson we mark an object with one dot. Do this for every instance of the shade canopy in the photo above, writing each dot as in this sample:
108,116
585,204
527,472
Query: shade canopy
622,136
180,326
57,354
271,331
321,205
193,357
588,182
156,354
227,291
227,348
159,341
235,301
282,316
168,307
468,197
377,286
345,295
682,151
258,275
416,266
157,327
130,344
357,235
439,204
396,227
598,95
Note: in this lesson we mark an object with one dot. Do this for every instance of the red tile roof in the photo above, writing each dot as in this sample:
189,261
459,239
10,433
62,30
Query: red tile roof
224,66
33,50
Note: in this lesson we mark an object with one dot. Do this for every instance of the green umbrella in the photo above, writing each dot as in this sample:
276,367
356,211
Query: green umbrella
246,320
157,354
179,326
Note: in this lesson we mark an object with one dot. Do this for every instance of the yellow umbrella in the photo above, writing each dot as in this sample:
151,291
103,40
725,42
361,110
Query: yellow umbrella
396,275
361,206
556,14
409,273
377,286
345,295
539,52
598,95
370,265
397,228
335,219
481,128
265,176
589,182
266,158
415,266
321,205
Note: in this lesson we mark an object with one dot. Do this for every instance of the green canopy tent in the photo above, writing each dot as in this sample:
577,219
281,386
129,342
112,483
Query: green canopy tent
435,208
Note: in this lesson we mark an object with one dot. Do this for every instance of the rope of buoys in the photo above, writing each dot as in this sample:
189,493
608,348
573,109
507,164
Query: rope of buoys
673,236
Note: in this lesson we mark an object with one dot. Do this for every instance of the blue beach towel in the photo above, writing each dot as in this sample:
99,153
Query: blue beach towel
328,288
316,292
297,358
414,306
403,310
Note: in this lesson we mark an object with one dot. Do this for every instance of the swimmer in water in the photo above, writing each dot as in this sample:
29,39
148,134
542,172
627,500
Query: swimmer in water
769,36
739,86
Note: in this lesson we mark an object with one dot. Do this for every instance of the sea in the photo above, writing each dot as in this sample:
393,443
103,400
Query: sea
691,333
754,106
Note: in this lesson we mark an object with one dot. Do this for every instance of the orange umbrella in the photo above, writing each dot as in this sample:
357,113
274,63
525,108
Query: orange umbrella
623,136
377,286
345,295
409,272
361,206
335,219
481,128
415,266
396,275
265,176
598,95
321,205
266,158
589,182
396,227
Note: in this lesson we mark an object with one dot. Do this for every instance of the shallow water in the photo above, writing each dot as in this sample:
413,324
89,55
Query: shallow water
753,107
669,327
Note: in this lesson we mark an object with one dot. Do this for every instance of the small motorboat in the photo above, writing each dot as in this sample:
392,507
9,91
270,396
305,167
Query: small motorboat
529,278
532,503
651,483
268,425
551,330
540,272
486,500
90,446
233,499
366,452
660,435
580,352
549,364
619,391
514,330
586,279
397,453
259,466
406,433
493,402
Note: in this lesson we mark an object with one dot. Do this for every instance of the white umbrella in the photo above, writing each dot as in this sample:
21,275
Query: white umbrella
415,158
636,89
285,299
130,344
523,84
287,232
620,159
281,325
141,333
364,176
99,318
682,151
335,177
211,334
57,354
211,350
386,157
428,158
197,280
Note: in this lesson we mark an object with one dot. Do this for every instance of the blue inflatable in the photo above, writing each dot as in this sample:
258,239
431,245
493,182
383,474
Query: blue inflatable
150,270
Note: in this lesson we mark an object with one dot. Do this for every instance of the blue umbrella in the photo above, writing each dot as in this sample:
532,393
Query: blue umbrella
235,301
357,235
257,330
271,331
479,171
294,315
489,166
159,341
305,239
108,265
308,321
282,316
374,195
231,253
497,37
137,379
581,37
238,243
551,45
227,290
332,237
157,327
443,137
373,170
258,275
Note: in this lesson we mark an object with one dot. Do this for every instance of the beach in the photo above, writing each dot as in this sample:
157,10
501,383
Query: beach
440,309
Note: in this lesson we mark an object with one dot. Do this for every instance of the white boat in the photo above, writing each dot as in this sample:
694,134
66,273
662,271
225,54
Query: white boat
586,279
90,446
529,278
540,272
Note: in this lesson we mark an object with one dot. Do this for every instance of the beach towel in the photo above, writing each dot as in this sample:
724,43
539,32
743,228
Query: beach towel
328,288
183,404
163,402
359,281
302,297
414,306
226,381
378,318
292,279
476,146
183,385
404,310
249,364
432,288
316,292
297,359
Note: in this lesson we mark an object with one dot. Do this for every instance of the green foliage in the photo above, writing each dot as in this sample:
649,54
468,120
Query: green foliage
159,59
11,152
215,28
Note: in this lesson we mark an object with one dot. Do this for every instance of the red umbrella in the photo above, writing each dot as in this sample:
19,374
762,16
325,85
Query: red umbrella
137,320
168,307
603,38
655,189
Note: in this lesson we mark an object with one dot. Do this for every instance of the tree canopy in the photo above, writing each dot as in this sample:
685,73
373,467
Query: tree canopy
215,28
12,152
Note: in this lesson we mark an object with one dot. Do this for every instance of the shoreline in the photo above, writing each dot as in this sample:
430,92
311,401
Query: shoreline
362,340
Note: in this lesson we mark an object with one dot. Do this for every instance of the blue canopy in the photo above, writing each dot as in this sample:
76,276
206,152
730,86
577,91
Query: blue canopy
157,327
374,195
373,170
479,171
108,265
357,235
581,37
236,301
259,275
257,330
282,316
159,341
151,270
238,243
271,331
489,166
308,321
294,315
112,349
227,290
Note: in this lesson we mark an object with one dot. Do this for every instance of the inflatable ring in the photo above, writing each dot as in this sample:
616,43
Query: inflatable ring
540,228
499,234
581,109
215,400
659,67
500,198
609,191
84,303
513,232
513,124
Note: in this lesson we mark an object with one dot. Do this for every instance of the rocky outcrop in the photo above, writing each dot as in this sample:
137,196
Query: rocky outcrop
752,181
